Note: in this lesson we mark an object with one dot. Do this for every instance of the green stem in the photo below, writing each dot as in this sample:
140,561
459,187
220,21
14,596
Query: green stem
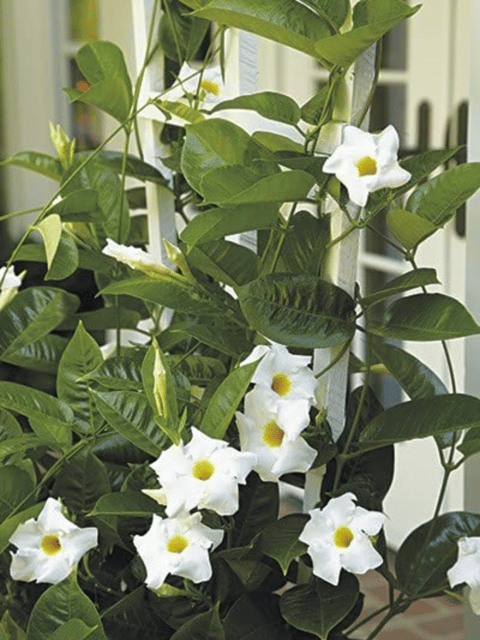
368,618
16,214
283,236
338,357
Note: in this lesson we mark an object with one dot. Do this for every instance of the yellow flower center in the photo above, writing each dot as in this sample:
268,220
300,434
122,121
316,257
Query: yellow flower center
50,545
272,434
210,87
281,384
367,167
203,470
177,544
342,537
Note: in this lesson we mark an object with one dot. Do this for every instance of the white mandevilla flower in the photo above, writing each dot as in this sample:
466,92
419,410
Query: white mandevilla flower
467,569
10,285
133,257
209,86
262,434
288,385
204,473
366,162
50,546
177,546
338,537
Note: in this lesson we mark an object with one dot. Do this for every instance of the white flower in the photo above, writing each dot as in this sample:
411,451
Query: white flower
210,87
9,286
338,536
467,569
133,257
204,473
50,546
288,385
261,433
366,162
178,546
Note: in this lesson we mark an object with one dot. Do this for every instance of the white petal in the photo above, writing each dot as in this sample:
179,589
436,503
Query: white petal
294,456
202,446
51,518
25,564
368,521
360,556
77,543
340,510
27,535
11,281
326,563
387,142
293,417
54,569
195,564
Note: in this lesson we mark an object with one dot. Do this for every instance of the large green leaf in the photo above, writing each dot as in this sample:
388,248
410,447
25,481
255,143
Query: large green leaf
225,261
80,358
32,314
74,629
285,21
102,319
223,221
205,626
438,198
425,556
304,247
130,414
51,231
180,109
134,167
15,486
334,13
378,17
11,628
317,607
224,336
409,280
258,508
57,605
225,400
180,35
239,185
298,310
211,144
42,355
18,444
279,540
409,228
276,143
50,418
75,205
120,372
81,481
39,162
66,259
422,418
126,503
103,65
271,105
424,317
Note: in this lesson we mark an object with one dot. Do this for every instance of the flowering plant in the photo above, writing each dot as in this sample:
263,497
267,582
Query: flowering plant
142,496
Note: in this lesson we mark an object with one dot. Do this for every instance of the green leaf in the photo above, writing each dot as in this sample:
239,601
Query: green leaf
50,418
18,444
426,316
42,355
258,508
422,418
225,261
334,13
10,628
211,144
205,626
240,185
15,486
217,223
409,280
304,247
80,358
469,445
200,370
271,105
409,228
51,231
180,35
224,336
74,204
55,606
103,65
317,607
102,319
134,166
120,372
275,142
285,21
66,259
129,414
39,162
298,310
313,109
32,314
225,400
279,540
168,290
74,629
255,617
425,556
179,109
127,503
8,526
343,49
81,481
438,199
9,426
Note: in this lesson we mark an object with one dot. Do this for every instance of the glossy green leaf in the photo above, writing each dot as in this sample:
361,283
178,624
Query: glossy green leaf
239,185
130,414
424,317
80,358
51,231
223,221
224,336
211,144
409,228
15,486
42,355
179,109
180,35
81,481
438,199
225,400
205,626
66,259
75,203
168,290
258,508
275,142
125,503
409,280
50,418
381,16
19,444
285,21
298,310
102,319
334,13
73,629
9,426
317,607
103,65
39,162
225,261
271,105
304,247
32,314
10,628
255,617
312,110
422,563
134,167
422,418
279,540
120,372
310,164
8,526
199,369
55,606
470,443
